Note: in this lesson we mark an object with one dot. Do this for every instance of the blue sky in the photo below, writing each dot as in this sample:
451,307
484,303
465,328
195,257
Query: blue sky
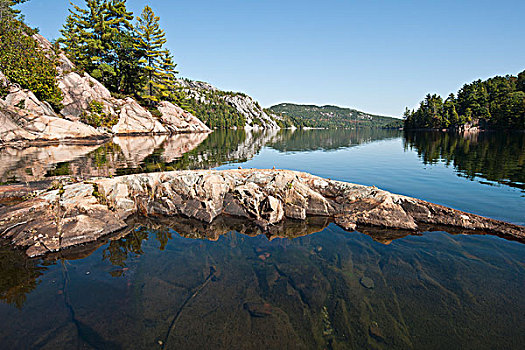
376,56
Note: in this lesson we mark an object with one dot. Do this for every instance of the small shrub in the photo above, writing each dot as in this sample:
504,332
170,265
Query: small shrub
96,107
96,118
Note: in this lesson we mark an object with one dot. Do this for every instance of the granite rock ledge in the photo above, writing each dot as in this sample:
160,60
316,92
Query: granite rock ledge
70,214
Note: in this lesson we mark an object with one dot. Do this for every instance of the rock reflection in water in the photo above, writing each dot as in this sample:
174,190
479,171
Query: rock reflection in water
285,288
112,158
126,155
33,163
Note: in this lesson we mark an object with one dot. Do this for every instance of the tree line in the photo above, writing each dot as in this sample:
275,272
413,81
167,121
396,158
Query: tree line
126,54
497,103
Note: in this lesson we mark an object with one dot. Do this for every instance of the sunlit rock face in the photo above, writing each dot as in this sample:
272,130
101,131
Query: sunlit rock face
77,213
83,95
177,120
79,91
20,124
135,119
29,102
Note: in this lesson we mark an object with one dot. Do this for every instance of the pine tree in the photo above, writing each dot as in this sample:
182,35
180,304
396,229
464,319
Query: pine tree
167,77
150,44
99,39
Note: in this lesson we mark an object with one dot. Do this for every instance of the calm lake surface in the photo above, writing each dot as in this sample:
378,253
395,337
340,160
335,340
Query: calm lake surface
312,286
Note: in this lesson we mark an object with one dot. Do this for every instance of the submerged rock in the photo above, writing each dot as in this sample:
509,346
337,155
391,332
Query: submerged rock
367,282
258,309
375,331
82,212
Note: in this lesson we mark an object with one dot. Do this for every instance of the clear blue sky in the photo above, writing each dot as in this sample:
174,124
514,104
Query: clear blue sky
376,56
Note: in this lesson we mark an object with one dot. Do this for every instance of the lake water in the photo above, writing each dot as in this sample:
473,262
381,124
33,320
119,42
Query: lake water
312,286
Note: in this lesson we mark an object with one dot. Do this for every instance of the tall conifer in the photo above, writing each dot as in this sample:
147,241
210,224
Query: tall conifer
150,43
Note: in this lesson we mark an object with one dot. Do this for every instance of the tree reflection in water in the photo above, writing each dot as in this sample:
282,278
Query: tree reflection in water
494,156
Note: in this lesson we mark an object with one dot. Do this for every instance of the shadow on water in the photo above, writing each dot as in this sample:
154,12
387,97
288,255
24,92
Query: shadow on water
177,283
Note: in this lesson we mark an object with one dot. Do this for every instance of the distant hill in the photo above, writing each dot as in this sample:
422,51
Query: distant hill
332,117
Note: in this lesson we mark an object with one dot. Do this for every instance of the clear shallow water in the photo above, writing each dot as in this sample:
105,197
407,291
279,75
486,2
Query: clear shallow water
168,285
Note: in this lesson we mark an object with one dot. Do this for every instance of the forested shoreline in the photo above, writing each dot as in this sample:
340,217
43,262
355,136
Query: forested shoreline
495,103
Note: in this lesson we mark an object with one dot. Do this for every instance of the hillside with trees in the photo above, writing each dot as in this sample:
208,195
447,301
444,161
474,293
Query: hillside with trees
21,59
495,103
332,117
126,54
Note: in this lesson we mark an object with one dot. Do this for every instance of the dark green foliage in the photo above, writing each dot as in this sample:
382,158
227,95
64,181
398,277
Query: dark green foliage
24,63
129,60
100,40
215,112
150,43
95,116
329,117
497,102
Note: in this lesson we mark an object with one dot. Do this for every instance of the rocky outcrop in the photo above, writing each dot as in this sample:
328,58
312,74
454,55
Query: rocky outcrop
10,131
254,115
21,125
77,213
79,91
84,96
135,119
65,65
28,102
177,120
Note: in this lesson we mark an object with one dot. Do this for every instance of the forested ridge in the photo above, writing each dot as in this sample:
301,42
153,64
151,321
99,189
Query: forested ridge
332,116
495,103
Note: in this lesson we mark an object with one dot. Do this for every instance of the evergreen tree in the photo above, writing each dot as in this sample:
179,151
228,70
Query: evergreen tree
498,102
168,73
173,90
450,115
150,44
520,83
99,40
7,12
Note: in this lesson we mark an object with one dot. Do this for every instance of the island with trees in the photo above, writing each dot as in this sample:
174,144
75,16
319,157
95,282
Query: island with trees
495,103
